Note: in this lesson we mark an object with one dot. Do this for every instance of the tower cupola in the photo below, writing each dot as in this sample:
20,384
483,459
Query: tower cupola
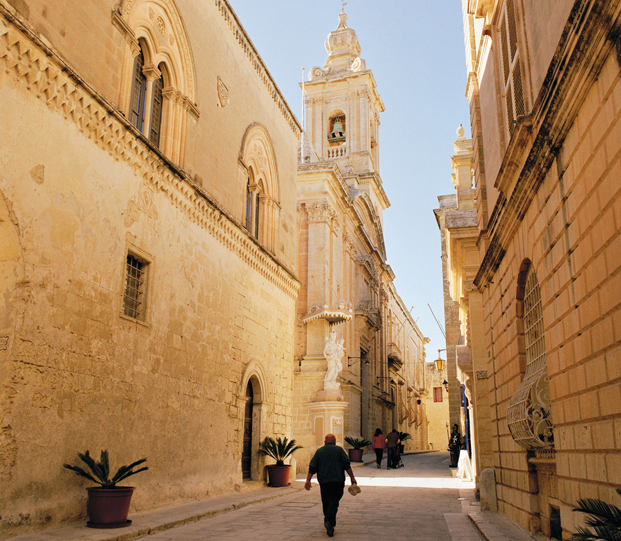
342,46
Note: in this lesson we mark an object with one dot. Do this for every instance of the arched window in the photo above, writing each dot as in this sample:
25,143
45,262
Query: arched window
158,83
146,101
257,212
156,111
529,414
248,207
253,206
257,167
139,93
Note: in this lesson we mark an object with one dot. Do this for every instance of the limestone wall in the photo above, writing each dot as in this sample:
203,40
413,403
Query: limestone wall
78,190
571,234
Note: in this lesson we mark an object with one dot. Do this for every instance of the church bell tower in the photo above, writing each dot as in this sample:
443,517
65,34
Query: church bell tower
343,106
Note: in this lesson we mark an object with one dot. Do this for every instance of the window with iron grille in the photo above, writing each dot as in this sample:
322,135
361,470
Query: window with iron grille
437,394
513,93
134,296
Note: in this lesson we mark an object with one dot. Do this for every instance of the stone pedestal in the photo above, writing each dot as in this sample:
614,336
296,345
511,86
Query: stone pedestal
328,415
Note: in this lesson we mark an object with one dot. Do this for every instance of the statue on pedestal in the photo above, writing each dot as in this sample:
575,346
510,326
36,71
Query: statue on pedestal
333,352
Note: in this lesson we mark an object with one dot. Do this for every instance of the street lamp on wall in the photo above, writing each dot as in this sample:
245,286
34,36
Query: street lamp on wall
440,362
445,383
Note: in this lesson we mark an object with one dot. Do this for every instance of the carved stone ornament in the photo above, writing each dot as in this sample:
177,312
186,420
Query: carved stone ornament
223,93
144,204
4,343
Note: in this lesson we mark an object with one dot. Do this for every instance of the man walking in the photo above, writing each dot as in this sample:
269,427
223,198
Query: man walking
392,441
329,463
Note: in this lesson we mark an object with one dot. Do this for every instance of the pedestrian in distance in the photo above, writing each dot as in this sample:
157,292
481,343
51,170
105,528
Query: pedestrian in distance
330,463
392,443
378,444
454,445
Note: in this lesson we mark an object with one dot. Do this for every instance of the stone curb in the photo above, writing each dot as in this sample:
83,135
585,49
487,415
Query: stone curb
496,527
151,521
196,517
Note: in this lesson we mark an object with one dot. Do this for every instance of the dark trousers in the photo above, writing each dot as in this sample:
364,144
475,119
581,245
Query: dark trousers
392,457
331,494
379,453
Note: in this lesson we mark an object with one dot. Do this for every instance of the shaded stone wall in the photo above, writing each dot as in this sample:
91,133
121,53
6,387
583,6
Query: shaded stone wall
558,211
78,189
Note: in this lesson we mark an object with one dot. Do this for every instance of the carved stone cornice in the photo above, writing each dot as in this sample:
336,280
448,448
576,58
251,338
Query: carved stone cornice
322,212
257,63
40,71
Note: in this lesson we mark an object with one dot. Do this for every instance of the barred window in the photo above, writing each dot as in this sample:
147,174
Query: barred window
437,394
134,297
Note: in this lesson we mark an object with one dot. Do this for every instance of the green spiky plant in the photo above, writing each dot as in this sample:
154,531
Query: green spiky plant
605,519
101,470
357,443
404,436
279,449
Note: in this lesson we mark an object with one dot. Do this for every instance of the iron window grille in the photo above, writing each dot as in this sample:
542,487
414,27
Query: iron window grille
134,296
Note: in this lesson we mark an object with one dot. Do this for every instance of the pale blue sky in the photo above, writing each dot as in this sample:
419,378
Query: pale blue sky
415,49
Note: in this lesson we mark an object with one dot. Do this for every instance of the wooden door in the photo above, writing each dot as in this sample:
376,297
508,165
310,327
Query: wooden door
247,447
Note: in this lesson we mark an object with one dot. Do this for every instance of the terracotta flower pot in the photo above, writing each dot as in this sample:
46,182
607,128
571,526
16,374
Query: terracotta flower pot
355,455
278,475
108,507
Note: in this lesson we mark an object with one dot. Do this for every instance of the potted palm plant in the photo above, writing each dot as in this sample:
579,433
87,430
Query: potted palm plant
108,504
358,444
403,436
279,449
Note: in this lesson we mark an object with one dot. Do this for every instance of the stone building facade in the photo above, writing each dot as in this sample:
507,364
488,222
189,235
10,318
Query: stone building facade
544,91
437,406
346,282
149,251
466,365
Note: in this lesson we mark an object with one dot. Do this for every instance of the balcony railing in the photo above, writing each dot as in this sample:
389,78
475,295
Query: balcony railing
337,152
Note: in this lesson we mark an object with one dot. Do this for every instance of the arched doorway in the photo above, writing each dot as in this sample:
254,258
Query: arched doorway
247,445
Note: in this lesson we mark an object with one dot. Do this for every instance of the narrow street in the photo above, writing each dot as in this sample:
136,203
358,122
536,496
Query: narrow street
420,501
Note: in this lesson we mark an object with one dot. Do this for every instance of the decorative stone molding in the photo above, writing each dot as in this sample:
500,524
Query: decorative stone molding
322,211
376,222
223,93
257,63
339,314
29,62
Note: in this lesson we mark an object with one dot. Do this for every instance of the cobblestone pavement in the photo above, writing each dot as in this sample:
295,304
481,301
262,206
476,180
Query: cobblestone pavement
420,501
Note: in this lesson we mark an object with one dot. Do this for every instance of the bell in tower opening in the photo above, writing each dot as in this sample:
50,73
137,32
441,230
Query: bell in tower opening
337,129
